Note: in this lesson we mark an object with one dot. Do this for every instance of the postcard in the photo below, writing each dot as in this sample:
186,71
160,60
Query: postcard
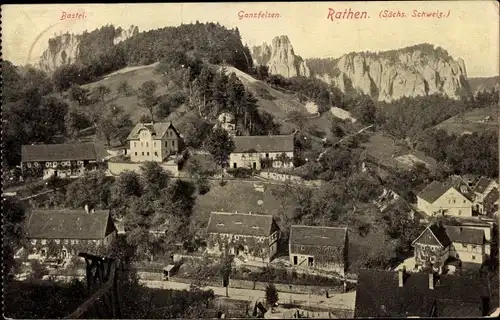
251,159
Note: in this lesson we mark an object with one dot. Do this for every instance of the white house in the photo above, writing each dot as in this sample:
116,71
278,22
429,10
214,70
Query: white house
257,152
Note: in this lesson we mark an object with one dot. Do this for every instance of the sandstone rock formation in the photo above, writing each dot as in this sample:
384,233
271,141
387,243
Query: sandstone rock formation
414,71
63,49
280,58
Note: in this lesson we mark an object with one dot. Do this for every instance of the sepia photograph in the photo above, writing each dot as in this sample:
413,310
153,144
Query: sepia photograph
275,160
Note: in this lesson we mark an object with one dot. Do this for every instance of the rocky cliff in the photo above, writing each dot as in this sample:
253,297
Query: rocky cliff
64,48
413,71
280,58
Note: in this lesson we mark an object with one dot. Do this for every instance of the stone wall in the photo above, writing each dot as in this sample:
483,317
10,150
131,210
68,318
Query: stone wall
117,168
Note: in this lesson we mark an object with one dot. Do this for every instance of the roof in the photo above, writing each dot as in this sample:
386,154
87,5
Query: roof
436,189
465,235
447,234
482,185
378,294
58,152
241,224
433,191
158,128
320,236
67,224
281,143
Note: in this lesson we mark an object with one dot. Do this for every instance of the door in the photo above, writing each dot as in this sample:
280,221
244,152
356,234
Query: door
235,165
255,165
310,261
295,260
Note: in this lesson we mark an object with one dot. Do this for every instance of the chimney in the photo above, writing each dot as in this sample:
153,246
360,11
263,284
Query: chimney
87,208
431,280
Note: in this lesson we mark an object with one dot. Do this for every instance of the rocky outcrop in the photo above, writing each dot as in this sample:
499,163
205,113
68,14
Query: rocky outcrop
280,58
63,49
413,71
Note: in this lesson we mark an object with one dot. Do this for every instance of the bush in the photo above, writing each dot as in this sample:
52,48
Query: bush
240,172
203,186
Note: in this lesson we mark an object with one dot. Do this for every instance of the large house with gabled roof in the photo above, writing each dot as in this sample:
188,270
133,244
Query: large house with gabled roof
318,248
154,141
245,235
257,152
453,197
61,160
438,242
63,233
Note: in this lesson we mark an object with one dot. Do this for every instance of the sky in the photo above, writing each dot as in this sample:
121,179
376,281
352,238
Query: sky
469,29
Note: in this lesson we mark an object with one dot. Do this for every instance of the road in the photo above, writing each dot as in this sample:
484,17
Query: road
335,301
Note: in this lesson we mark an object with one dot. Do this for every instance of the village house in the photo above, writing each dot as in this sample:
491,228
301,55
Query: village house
438,242
249,236
259,152
454,197
154,141
486,191
60,160
318,248
390,294
63,233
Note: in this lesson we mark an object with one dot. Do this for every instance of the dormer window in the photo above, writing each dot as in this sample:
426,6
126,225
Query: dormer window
238,222
220,225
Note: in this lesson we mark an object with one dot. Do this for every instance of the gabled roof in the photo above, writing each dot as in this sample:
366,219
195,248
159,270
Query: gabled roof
281,143
241,224
433,191
378,294
465,235
434,232
58,152
482,185
446,234
436,189
68,224
317,236
158,129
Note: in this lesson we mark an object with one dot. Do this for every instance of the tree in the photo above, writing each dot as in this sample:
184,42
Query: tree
78,94
271,295
365,110
106,129
220,145
154,177
76,121
225,271
298,118
53,182
93,188
100,92
14,215
147,97
124,88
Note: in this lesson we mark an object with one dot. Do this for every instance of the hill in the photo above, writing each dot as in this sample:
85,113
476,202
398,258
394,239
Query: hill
487,83
477,120
278,102
135,77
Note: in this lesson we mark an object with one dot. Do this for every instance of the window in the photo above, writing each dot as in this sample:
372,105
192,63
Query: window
135,144
473,257
464,201
173,143
147,144
454,201
156,154
166,143
459,212
148,154
142,144
154,144
142,153
136,153
464,245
